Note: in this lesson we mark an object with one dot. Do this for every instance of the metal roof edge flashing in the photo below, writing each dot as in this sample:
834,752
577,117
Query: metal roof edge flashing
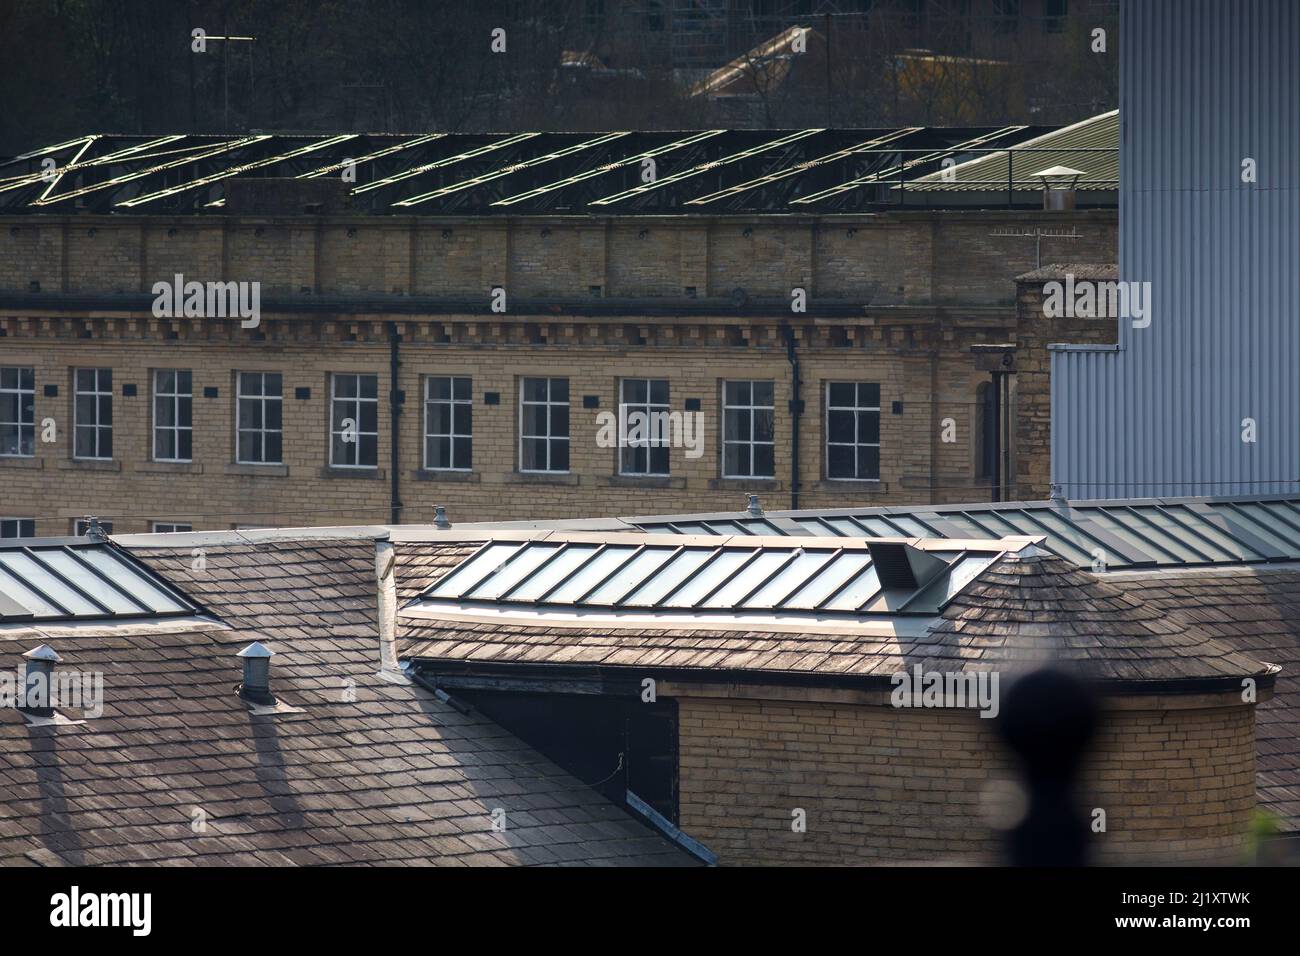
670,830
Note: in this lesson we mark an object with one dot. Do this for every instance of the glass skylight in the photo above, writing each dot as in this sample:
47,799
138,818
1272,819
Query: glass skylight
811,575
60,582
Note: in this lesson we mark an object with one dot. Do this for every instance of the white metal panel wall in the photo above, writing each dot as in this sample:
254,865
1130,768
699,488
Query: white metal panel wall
1204,84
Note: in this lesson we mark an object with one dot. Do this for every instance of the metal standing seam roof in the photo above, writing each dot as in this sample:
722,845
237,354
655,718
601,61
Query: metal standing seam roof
1105,535
813,577
57,581
1090,146
810,171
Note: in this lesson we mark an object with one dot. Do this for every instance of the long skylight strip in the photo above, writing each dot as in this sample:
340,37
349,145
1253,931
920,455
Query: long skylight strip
237,170
608,167
513,168
804,167
448,161
896,170
707,167
45,150
148,171
59,178
28,179
113,157
370,157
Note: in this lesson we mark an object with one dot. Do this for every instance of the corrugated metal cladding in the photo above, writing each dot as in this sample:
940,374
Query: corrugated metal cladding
1204,85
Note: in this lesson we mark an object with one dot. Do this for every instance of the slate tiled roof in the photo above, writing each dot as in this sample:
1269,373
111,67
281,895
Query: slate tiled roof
1256,611
1043,608
394,777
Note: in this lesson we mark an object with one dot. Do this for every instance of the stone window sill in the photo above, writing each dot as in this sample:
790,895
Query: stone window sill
542,478
269,470
16,461
370,474
437,474
85,464
858,486
646,481
744,484
170,468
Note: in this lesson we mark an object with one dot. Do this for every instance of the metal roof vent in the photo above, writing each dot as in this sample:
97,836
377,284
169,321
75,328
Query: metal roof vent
754,508
38,679
903,567
440,517
1060,184
256,686
94,530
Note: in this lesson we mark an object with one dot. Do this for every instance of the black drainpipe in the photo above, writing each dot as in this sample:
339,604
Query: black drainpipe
796,410
395,399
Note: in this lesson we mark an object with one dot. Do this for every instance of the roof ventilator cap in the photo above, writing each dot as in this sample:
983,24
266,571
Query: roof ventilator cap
256,686
754,508
38,679
440,517
904,567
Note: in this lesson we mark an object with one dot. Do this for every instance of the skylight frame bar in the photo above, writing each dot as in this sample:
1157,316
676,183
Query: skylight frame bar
700,168
852,579
608,167
237,143
1110,541
1215,519
68,583
370,157
61,172
1169,556
64,611
481,550
521,549
635,586
632,556
1286,520
562,549
512,169
1205,558
833,557
796,552
746,562
1292,538
238,170
1247,553
699,568
31,179
1053,535
131,598
884,174
804,167
43,151
188,604
446,161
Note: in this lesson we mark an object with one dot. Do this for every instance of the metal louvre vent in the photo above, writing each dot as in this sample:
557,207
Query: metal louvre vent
813,578
69,582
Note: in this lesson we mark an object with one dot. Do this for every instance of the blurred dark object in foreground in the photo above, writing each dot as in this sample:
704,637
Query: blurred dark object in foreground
1048,720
